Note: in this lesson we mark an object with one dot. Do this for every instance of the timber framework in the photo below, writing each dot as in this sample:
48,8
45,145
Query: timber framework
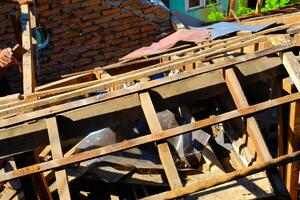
219,119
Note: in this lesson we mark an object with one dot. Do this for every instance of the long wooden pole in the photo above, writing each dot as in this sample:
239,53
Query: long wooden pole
228,177
127,77
232,4
259,6
163,148
62,162
27,21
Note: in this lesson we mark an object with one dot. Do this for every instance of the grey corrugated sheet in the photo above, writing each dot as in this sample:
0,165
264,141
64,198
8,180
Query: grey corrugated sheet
187,20
224,28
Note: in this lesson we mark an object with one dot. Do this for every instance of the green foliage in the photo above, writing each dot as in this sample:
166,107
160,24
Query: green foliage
243,9
273,4
215,12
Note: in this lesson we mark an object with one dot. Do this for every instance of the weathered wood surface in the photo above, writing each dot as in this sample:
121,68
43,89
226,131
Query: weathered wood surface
254,133
62,162
227,45
293,144
292,65
279,18
28,61
259,5
164,151
114,80
232,6
228,177
56,151
196,88
34,123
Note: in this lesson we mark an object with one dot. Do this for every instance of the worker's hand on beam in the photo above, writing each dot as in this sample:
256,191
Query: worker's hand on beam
22,2
6,58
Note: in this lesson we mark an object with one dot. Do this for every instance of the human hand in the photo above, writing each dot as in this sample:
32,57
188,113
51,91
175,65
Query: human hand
6,58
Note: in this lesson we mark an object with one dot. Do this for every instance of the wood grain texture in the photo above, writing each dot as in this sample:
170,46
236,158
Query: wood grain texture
164,151
56,151
28,62
62,162
254,132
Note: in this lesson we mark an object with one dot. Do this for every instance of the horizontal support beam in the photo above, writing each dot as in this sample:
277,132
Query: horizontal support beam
134,75
188,90
171,90
151,85
63,162
193,188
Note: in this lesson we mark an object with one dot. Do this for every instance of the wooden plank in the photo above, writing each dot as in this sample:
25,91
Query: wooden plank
232,5
56,150
288,85
164,151
126,78
252,187
10,98
284,19
254,169
195,89
162,84
67,81
196,84
292,169
39,183
62,162
252,126
28,62
259,6
276,91
159,68
255,133
292,65
234,16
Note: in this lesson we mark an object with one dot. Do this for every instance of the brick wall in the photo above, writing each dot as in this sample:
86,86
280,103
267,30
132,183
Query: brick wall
88,33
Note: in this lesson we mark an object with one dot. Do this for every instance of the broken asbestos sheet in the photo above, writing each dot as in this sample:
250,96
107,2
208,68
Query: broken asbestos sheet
182,35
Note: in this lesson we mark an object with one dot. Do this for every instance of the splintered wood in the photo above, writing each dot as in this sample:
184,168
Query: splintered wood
214,81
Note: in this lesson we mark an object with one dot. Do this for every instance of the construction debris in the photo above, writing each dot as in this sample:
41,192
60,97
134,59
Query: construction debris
201,118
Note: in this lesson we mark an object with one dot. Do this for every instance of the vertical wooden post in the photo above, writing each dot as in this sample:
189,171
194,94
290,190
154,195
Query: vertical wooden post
163,148
258,6
293,144
28,22
232,4
292,66
56,150
276,86
28,62
188,66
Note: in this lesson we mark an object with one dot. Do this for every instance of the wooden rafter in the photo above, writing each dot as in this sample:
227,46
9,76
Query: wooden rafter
254,133
163,148
56,151
58,163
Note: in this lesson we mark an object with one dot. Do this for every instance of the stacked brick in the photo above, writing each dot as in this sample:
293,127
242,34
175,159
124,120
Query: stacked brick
90,33
8,39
